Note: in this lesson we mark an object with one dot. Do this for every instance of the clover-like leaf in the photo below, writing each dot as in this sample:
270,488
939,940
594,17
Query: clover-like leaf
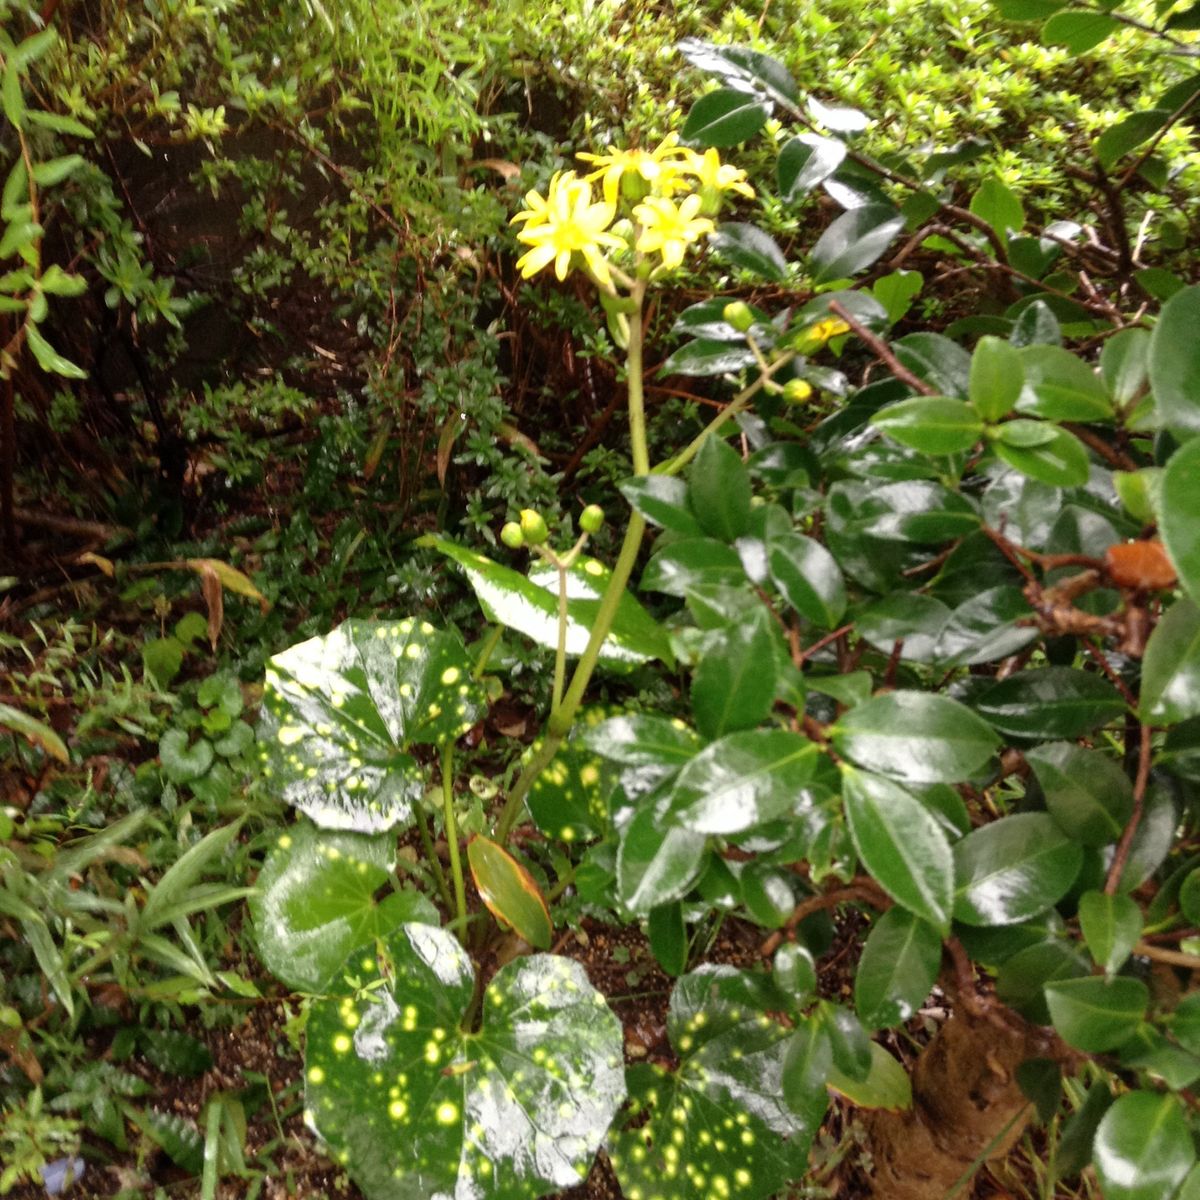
340,712
415,1108
718,1126
315,903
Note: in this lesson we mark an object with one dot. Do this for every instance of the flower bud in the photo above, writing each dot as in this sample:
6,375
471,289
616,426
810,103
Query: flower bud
591,518
796,391
739,315
512,536
533,526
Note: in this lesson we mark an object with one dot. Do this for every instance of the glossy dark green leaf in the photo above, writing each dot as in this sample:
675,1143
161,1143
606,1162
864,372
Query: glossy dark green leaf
1153,839
315,902
1087,793
1036,326
1189,897
1079,30
530,606
1119,139
692,562
848,1040
510,892
720,1122
1075,1147
808,578
742,780
897,291
667,934
917,737
1125,364
1040,1081
1094,1014
1022,978
1175,366
901,844
911,618
1110,926
1171,668
707,356
339,713
724,118
414,1107
807,1066
658,861
854,241
794,972
897,970
1151,1051
931,424
1060,460
748,247
940,362
643,740
886,1084
767,894
1061,387
1179,515
740,67
996,378
805,162
1013,869
1143,1148
985,628
1050,702
719,491
734,684
918,511
663,501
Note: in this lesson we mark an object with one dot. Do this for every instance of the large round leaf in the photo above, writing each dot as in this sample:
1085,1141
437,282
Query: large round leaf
1013,869
340,711
1143,1148
315,903
901,843
915,736
718,1126
415,1108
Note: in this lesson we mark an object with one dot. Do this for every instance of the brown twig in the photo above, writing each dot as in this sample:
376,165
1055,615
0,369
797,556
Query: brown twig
821,643
864,890
880,349
1131,827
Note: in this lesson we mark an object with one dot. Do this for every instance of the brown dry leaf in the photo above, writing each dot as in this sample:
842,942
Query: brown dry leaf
97,560
214,600
230,577
446,439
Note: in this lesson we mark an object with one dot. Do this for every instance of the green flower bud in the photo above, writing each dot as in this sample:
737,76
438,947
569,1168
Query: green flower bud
739,315
796,391
512,536
591,518
533,526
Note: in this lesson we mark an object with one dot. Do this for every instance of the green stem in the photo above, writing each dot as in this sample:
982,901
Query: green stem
435,863
634,384
672,466
460,894
560,656
485,654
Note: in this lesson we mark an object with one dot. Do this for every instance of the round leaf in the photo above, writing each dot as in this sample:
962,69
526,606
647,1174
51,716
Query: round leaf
415,1108
915,736
1143,1148
340,711
932,424
996,378
1087,793
1094,1014
719,1124
1060,460
1013,869
315,903
808,578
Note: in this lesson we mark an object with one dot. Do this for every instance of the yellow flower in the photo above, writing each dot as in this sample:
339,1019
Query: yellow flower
566,222
717,176
830,327
669,228
658,170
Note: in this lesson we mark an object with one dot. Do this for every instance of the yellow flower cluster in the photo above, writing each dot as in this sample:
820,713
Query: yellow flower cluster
674,193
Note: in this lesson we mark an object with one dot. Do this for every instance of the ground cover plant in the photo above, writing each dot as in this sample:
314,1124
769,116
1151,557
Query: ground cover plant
766,768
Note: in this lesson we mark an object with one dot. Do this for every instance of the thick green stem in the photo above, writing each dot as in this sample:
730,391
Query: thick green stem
560,655
460,893
485,655
633,381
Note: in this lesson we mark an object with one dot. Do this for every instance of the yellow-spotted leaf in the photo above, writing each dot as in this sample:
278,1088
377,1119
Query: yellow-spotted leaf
510,892
413,1106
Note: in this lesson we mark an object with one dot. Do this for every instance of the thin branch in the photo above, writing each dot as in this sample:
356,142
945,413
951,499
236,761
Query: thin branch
1139,801
880,349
